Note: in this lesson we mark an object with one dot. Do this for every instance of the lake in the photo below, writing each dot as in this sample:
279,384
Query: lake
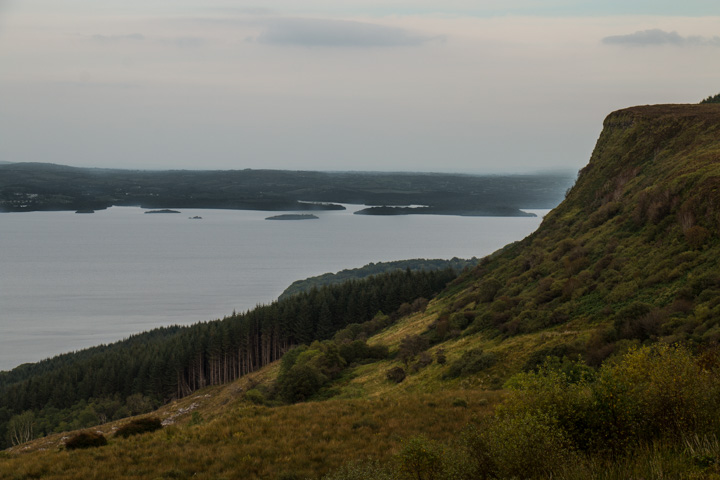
70,281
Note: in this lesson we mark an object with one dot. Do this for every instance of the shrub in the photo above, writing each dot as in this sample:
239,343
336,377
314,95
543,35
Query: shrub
440,356
85,440
527,446
396,374
410,346
696,236
472,361
255,396
300,383
423,361
420,459
138,426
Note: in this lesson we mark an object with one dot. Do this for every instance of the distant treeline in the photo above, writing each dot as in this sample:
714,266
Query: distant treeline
172,362
38,186
416,264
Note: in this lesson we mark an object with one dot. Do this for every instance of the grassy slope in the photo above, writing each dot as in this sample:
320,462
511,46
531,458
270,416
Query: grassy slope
639,226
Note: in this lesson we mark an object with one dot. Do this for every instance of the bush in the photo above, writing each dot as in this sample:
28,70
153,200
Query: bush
410,346
527,446
255,396
472,361
423,361
85,440
420,459
396,374
138,426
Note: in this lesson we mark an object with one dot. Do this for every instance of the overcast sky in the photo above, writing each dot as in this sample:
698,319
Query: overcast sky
452,85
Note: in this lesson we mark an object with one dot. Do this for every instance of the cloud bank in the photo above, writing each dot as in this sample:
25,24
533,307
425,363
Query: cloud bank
656,37
337,33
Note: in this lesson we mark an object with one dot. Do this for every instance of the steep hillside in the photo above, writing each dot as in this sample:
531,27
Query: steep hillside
632,253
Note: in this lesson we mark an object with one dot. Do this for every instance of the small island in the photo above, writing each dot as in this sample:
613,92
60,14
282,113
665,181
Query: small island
164,210
464,212
294,216
85,210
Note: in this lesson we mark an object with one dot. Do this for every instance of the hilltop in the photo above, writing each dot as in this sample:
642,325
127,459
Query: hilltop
558,328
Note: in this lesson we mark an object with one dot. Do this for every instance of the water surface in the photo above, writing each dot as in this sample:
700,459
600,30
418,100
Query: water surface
70,281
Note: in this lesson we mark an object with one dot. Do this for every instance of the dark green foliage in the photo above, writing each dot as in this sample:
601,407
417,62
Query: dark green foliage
139,426
651,393
85,440
472,361
411,346
396,374
712,99
358,350
305,370
415,265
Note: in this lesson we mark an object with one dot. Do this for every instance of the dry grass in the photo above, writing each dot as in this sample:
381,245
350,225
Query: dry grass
248,441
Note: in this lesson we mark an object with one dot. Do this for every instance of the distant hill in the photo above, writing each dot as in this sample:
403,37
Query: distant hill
308,284
42,186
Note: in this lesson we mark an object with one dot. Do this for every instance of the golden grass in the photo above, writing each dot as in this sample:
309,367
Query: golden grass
248,441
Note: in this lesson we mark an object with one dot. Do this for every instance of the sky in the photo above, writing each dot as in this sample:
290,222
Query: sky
472,86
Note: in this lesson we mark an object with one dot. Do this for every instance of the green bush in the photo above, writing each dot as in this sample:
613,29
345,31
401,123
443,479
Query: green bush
138,426
526,446
255,396
650,393
420,459
472,361
85,440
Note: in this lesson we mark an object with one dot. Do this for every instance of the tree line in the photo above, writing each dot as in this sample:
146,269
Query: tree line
172,362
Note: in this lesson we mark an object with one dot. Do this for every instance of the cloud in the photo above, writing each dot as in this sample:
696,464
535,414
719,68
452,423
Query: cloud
656,37
258,11
133,37
337,33
188,42
179,42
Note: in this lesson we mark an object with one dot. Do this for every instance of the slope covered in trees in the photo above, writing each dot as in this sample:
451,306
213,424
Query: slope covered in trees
170,363
370,269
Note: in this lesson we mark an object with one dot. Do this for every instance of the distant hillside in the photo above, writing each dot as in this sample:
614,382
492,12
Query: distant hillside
308,284
38,186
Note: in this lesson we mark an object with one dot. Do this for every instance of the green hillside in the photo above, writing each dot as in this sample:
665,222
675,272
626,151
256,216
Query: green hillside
632,252
588,350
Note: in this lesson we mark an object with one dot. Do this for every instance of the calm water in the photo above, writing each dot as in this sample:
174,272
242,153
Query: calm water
69,281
